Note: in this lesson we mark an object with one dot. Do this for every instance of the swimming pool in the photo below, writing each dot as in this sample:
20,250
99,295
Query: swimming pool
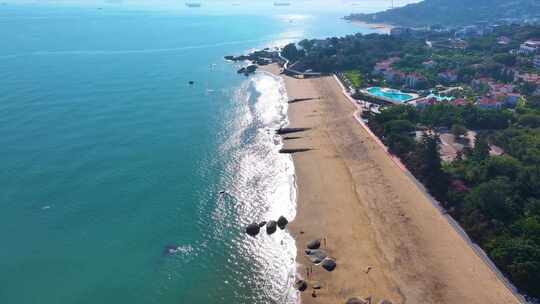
390,94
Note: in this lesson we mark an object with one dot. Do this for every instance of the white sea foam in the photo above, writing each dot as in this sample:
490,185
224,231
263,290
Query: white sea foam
262,182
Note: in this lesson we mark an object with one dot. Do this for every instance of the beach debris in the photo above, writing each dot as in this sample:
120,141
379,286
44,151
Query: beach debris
314,293
316,256
329,264
262,224
315,244
301,285
253,229
271,227
355,300
368,269
383,301
282,222
317,285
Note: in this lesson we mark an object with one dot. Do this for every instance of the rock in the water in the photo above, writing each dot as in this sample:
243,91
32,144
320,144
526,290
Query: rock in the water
282,222
316,256
253,229
170,249
301,285
271,227
355,301
329,264
262,224
317,285
385,302
315,244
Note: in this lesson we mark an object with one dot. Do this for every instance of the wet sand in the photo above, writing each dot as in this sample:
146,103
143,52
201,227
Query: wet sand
390,242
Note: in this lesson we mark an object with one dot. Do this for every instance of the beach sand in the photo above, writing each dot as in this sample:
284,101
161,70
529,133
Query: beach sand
390,242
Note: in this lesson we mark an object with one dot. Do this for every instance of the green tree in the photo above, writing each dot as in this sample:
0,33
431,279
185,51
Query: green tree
290,52
520,259
459,130
481,148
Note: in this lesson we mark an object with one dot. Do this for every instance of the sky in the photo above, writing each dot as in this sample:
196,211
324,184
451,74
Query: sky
240,6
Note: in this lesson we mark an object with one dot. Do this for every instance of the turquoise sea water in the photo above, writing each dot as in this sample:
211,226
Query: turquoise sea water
108,157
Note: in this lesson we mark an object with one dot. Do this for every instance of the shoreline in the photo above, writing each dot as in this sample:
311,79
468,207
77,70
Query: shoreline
383,27
386,241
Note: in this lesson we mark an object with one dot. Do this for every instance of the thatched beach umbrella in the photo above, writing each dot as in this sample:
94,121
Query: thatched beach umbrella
316,256
315,244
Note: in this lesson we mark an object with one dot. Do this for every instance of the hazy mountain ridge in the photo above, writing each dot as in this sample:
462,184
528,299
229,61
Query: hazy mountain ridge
454,12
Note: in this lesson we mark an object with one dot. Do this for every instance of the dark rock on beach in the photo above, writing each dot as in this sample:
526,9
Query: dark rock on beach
282,222
329,264
271,227
316,256
253,229
262,224
315,244
301,285
385,302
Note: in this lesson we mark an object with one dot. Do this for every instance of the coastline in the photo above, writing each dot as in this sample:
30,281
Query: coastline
383,27
389,241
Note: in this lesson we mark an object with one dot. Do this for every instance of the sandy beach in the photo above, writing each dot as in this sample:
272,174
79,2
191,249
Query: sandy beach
389,241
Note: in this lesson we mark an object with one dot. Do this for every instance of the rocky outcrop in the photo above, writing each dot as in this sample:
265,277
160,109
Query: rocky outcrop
261,58
329,264
282,222
250,69
271,227
253,229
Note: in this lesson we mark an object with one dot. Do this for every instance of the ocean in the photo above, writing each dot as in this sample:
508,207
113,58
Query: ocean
113,166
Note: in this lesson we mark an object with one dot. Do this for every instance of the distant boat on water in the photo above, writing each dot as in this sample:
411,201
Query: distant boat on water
193,4
282,3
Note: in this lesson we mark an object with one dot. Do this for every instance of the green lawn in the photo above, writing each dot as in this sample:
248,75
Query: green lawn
355,78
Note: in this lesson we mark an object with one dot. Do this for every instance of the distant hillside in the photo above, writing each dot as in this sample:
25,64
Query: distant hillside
454,12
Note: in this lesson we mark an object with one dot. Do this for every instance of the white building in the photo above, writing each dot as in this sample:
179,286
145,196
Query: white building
529,47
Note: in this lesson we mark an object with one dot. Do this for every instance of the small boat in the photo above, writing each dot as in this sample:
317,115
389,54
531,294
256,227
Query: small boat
193,4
